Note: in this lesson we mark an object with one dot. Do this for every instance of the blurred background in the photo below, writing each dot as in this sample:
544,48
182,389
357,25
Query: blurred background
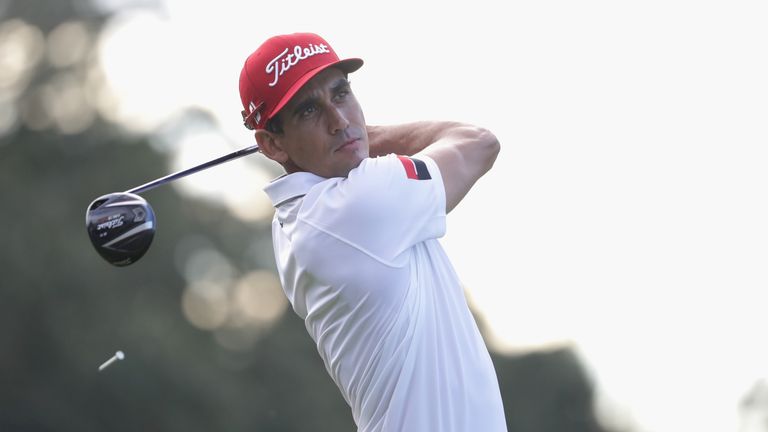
615,257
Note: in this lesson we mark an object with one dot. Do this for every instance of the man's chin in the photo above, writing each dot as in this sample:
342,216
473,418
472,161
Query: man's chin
354,163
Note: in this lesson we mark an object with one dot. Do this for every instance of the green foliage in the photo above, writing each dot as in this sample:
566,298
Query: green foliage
64,310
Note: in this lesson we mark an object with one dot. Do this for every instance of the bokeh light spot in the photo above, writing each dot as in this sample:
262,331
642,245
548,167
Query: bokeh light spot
259,298
65,99
237,183
68,44
205,305
22,47
208,264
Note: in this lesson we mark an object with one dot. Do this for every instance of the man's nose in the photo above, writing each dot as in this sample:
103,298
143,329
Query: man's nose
337,120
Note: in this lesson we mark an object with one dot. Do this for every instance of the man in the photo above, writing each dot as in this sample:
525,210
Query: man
357,218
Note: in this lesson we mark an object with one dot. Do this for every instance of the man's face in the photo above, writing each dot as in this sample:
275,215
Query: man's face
323,127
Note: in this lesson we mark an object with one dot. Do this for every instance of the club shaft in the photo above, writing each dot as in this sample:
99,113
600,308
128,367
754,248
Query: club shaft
177,175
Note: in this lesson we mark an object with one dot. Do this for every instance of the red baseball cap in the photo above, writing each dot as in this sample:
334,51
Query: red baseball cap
279,68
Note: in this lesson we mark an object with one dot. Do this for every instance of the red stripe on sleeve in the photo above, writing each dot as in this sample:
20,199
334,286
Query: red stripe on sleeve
410,168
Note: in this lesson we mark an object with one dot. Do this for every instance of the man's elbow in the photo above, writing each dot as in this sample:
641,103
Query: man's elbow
489,146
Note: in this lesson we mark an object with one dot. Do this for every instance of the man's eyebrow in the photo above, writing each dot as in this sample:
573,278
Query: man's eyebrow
340,84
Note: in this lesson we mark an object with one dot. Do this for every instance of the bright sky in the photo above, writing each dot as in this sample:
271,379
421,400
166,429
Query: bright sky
626,215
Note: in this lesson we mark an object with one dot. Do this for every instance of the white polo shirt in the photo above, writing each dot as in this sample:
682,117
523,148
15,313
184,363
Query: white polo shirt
360,262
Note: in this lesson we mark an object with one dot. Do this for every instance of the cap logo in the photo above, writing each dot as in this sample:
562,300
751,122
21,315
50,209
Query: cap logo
282,63
257,116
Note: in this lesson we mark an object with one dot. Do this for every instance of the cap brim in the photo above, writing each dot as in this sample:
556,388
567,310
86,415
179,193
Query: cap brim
347,66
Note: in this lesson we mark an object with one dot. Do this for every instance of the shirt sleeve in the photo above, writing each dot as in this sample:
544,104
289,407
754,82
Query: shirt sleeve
386,205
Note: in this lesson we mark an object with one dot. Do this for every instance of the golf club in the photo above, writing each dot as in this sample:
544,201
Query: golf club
121,225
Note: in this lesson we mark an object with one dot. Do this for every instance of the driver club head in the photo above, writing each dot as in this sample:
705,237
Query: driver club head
121,227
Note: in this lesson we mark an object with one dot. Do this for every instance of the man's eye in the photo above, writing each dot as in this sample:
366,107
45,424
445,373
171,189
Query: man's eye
308,111
341,94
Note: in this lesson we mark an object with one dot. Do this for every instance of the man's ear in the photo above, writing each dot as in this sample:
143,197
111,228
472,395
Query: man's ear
269,145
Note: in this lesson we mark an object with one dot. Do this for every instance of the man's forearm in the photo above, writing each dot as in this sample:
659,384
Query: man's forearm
462,152
407,139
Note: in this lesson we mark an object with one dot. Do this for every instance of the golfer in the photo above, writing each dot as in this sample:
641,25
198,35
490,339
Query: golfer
358,215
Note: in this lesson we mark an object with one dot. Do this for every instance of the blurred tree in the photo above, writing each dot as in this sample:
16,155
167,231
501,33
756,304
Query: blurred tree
546,391
64,311
753,409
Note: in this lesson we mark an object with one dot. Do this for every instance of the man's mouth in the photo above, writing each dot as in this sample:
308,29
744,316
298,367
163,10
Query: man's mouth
348,143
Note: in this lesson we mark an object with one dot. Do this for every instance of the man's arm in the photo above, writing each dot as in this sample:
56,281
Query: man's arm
462,152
